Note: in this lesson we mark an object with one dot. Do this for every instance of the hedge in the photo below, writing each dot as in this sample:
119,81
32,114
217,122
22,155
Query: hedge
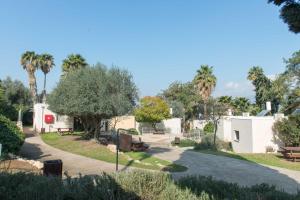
11,137
134,185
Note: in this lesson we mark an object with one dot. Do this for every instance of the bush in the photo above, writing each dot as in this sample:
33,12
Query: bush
133,131
209,128
134,185
207,143
288,130
185,143
11,137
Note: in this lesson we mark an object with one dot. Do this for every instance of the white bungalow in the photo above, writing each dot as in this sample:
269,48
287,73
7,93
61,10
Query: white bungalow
50,121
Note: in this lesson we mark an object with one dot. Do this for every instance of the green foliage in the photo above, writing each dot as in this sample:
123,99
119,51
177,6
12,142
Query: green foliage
15,96
72,63
262,85
152,110
209,128
205,81
11,137
207,142
288,130
177,108
135,185
240,104
185,94
185,143
94,93
289,13
133,131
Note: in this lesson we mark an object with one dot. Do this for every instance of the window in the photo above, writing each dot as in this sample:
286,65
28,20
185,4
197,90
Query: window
237,136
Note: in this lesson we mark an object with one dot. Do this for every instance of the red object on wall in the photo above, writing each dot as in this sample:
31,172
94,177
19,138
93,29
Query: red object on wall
49,119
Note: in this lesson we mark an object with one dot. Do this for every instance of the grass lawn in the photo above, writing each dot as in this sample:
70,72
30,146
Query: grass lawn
76,145
262,158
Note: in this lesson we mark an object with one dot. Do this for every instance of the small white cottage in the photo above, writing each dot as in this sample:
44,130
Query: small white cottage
249,134
50,121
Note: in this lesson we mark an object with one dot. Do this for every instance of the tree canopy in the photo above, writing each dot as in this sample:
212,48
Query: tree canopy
93,94
289,13
152,110
185,94
73,62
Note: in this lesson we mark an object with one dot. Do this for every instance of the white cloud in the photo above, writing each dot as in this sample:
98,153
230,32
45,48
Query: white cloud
232,85
272,77
235,89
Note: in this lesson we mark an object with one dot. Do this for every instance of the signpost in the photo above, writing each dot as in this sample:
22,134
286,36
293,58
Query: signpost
0,149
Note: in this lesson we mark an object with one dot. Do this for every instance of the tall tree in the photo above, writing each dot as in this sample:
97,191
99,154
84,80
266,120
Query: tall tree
46,63
93,94
289,13
262,85
205,82
29,61
185,93
73,62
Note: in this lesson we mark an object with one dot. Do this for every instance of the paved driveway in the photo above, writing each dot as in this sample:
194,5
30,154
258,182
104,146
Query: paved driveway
228,169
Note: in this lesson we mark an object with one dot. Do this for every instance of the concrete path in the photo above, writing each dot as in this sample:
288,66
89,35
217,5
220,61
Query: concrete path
228,169
35,148
219,167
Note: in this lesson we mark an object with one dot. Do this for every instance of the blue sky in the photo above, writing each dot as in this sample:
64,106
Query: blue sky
158,41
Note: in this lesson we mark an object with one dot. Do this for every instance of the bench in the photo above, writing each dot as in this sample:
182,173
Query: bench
61,131
291,153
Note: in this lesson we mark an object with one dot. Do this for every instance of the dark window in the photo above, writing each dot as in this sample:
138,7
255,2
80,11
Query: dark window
236,135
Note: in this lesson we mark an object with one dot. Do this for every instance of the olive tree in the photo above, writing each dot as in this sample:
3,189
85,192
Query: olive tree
93,94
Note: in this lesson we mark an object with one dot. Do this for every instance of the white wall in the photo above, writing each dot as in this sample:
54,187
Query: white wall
59,120
174,125
263,135
244,126
224,129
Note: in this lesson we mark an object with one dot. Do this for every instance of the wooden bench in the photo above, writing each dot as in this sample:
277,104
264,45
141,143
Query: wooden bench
61,131
291,153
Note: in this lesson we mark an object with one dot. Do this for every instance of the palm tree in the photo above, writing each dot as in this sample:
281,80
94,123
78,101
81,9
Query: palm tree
46,63
241,104
205,82
262,85
73,62
29,61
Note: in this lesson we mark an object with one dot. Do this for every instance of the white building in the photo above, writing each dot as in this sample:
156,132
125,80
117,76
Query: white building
249,134
45,118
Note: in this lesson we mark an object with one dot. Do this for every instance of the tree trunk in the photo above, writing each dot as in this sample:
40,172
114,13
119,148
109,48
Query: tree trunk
215,133
44,91
205,110
154,126
32,87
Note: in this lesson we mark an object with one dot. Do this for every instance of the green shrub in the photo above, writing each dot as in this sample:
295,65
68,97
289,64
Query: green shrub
11,136
209,128
288,130
134,185
207,142
133,131
184,143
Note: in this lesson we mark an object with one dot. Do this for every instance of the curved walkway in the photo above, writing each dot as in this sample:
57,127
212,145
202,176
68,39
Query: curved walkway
222,168
35,148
